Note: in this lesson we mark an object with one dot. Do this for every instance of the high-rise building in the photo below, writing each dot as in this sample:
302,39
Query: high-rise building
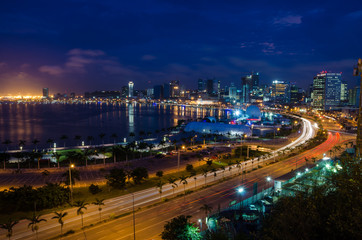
45,92
249,86
124,91
326,90
200,85
232,92
280,91
174,89
354,96
166,91
344,92
158,92
295,95
130,89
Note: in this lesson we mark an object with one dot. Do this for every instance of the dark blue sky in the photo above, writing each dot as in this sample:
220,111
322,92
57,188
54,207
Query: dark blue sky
84,45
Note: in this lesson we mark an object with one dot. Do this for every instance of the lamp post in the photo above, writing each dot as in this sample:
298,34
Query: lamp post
178,159
134,219
200,222
240,191
71,183
268,180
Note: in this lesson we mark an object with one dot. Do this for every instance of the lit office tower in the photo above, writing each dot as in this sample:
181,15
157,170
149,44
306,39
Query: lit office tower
326,90
280,91
249,85
174,89
200,85
344,92
130,89
45,92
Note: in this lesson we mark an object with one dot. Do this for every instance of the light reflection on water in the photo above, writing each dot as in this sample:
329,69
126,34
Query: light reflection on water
28,121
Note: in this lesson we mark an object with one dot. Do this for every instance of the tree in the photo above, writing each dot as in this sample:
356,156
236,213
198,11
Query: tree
50,141
74,174
173,183
207,209
35,143
81,205
180,228
77,138
90,139
34,221
57,156
139,174
183,180
204,173
7,142
4,158
99,203
64,138
116,178
114,136
328,211
60,215
101,136
8,226
189,168
159,186
94,189
159,174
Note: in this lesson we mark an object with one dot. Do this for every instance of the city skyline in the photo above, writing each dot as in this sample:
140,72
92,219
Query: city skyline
102,46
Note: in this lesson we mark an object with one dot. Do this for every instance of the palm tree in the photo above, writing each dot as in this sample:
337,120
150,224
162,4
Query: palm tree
57,156
4,157
78,138
183,180
90,139
238,164
7,142
114,136
50,142
63,138
35,143
60,216
173,183
223,171
34,221
9,227
101,136
204,173
99,203
81,205
207,209
159,185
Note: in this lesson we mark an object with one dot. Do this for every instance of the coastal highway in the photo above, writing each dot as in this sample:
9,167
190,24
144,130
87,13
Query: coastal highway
150,221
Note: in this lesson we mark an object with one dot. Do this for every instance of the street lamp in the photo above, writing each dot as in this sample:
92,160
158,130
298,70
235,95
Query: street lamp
178,159
71,183
240,191
268,180
200,222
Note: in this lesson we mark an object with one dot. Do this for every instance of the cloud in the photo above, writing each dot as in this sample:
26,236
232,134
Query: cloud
148,57
269,48
3,65
88,52
288,20
52,70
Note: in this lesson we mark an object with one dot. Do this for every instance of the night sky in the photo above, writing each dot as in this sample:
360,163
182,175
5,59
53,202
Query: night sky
79,45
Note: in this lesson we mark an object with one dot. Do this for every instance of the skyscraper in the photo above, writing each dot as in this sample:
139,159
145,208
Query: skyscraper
130,89
174,89
280,91
326,90
200,85
45,92
249,85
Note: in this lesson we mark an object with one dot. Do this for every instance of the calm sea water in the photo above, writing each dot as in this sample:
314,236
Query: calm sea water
28,121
